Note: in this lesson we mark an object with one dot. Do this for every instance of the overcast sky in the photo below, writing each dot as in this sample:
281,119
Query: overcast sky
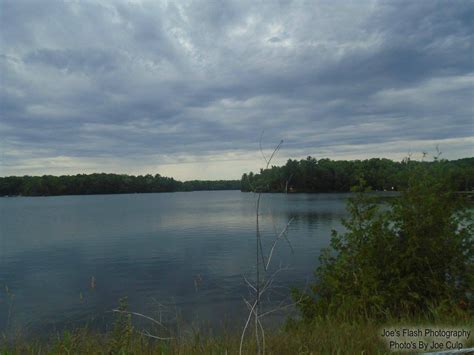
185,89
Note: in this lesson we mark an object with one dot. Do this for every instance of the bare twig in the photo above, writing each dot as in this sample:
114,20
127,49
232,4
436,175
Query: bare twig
269,282
140,315
274,152
283,306
267,161
259,239
252,310
258,288
282,233
246,326
160,308
249,284
147,334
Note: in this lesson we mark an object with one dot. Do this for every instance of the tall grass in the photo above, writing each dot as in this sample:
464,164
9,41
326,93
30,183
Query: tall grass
321,336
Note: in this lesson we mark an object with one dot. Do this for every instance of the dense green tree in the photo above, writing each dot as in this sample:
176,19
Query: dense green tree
324,175
83,184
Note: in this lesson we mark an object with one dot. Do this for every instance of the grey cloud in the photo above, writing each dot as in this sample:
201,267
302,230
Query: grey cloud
84,60
121,79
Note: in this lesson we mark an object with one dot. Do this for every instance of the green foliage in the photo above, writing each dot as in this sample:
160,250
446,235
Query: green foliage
123,329
83,184
412,257
67,343
324,175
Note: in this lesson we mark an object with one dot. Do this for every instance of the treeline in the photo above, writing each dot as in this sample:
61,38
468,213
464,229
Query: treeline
306,175
91,184
325,175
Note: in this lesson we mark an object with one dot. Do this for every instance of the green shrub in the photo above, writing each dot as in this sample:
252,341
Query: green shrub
123,330
412,257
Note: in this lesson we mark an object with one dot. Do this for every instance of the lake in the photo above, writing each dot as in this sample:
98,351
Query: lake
65,261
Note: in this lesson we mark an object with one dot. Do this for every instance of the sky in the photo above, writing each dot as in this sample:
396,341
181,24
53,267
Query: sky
192,89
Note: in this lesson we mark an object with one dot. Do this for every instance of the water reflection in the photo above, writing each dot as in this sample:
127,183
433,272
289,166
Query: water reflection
151,248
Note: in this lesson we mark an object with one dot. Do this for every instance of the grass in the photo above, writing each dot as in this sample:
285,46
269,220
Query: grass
322,336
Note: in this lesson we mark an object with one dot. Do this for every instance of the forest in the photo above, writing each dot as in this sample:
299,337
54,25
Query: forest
325,175
91,184
305,175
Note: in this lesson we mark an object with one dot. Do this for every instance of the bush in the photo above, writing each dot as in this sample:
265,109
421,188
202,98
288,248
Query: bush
413,257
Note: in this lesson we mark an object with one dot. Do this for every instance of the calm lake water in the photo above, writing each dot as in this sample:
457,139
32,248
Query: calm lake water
66,261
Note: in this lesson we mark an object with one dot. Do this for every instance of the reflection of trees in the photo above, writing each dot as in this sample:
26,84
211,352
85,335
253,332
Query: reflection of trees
312,219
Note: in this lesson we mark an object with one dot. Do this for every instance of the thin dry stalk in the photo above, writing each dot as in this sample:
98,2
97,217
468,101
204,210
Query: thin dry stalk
246,326
254,309
146,333
139,315
282,234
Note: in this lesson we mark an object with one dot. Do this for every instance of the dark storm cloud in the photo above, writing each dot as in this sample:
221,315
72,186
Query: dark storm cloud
172,80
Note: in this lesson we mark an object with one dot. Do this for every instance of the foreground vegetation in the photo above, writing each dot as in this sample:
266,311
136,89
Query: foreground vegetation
321,336
405,260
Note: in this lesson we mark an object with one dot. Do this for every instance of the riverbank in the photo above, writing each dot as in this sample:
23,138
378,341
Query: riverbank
323,336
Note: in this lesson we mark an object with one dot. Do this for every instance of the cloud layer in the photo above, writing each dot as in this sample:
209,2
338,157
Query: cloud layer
185,89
